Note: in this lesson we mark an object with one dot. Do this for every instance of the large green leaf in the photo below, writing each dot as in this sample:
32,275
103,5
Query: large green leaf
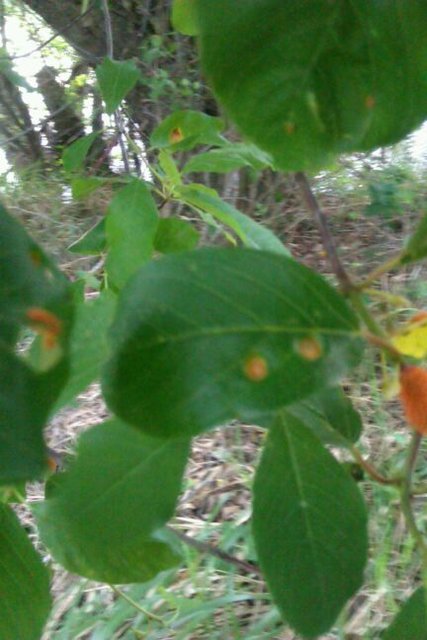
309,524
33,294
308,80
88,345
251,233
24,582
103,517
131,227
411,621
184,130
416,247
116,79
209,335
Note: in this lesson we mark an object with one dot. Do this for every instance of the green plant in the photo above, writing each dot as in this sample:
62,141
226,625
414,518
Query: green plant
203,336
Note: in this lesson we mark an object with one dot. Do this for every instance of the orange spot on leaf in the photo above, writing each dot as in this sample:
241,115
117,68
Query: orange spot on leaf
255,368
370,102
176,135
413,397
418,317
289,127
309,349
36,258
46,324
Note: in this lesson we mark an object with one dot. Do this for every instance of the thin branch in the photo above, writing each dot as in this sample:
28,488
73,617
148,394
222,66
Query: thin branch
327,239
53,37
371,471
108,29
204,547
137,606
379,271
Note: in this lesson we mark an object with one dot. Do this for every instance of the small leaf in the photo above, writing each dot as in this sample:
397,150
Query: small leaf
416,247
187,325
131,227
184,17
311,549
103,517
175,235
251,233
168,166
93,242
82,187
116,79
24,582
307,82
74,155
183,130
228,158
88,345
411,621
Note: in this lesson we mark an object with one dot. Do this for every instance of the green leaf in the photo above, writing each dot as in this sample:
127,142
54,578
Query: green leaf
228,158
251,233
88,345
175,235
416,247
309,524
184,17
210,335
411,621
131,227
33,295
93,242
83,187
103,517
183,130
116,79
309,80
24,582
168,166
74,156
331,417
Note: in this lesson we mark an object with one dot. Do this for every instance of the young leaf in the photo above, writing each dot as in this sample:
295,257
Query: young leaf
131,227
184,17
103,517
411,621
251,233
88,345
227,159
74,155
416,248
175,235
205,336
33,295
24,582
309,524
307,81
93,242
116,79
183,130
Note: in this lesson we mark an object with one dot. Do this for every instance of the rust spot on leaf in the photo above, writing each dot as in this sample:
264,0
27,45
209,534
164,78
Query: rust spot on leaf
176,135
36,258
256,368
370,102
46,324
309,348
413,397
289,127
420,316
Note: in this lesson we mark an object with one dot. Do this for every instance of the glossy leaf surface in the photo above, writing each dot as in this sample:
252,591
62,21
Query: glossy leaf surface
309,80
309,524
24,582
205,336
131,227
103,517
